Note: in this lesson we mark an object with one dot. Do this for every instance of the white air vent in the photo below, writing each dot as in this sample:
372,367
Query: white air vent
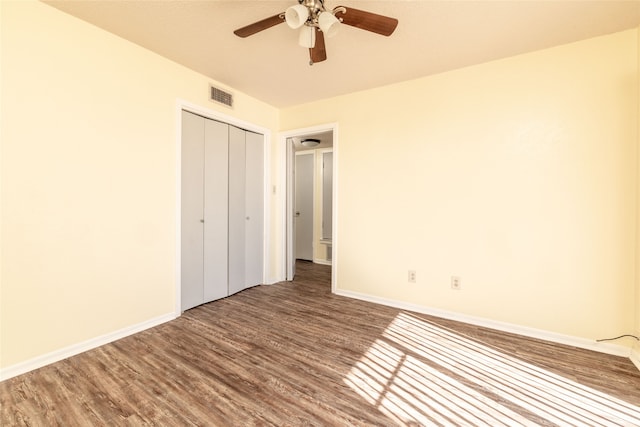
220,96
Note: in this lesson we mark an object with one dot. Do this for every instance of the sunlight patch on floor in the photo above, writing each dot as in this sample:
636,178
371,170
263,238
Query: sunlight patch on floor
419,373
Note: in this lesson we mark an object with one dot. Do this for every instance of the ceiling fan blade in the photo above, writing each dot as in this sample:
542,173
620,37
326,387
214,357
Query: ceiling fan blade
259,26
318,53
379,24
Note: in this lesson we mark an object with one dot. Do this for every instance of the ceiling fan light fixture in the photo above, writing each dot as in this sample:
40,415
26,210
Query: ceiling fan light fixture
329,24
296,16
307,36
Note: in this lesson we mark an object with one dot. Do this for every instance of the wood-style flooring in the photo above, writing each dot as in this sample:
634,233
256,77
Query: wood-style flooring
293,354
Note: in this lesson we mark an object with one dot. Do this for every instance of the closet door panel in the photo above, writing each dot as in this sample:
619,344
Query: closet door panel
192,244
216,151
254,208
236,209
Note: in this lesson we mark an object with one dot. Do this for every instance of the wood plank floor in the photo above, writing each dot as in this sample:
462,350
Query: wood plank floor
294,354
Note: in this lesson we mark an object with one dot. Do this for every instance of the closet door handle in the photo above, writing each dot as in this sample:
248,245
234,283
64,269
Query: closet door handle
202,221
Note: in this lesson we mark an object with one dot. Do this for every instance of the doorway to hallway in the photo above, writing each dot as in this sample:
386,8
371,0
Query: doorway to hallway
310,183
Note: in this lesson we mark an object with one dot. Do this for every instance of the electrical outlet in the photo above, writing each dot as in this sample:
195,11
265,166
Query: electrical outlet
412,276
456,283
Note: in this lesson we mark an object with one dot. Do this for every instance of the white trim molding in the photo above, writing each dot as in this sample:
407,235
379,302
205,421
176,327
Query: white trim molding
584,343
72,350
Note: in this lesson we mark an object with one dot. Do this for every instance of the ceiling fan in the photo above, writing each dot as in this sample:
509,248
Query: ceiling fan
315,21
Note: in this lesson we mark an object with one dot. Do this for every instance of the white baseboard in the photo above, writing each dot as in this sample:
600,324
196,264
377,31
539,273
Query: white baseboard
72,350
607,348
55,356
635,355
321,261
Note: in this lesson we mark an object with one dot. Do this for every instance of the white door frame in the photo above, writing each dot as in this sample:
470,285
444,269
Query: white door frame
225,118
287,218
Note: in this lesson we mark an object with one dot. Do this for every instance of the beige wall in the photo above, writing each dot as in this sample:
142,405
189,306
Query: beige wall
517,175
89,154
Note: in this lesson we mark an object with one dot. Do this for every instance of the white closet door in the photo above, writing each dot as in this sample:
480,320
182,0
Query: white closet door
237,217
192,243
254,208
216,167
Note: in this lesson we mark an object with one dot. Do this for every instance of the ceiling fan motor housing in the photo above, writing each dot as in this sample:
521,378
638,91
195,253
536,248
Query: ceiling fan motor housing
314,6
312,14
306,12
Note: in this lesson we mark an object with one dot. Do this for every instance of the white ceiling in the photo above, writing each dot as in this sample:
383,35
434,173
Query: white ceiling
432,36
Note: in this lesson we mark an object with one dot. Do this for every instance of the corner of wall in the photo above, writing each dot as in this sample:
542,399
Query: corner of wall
635,355
635,352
